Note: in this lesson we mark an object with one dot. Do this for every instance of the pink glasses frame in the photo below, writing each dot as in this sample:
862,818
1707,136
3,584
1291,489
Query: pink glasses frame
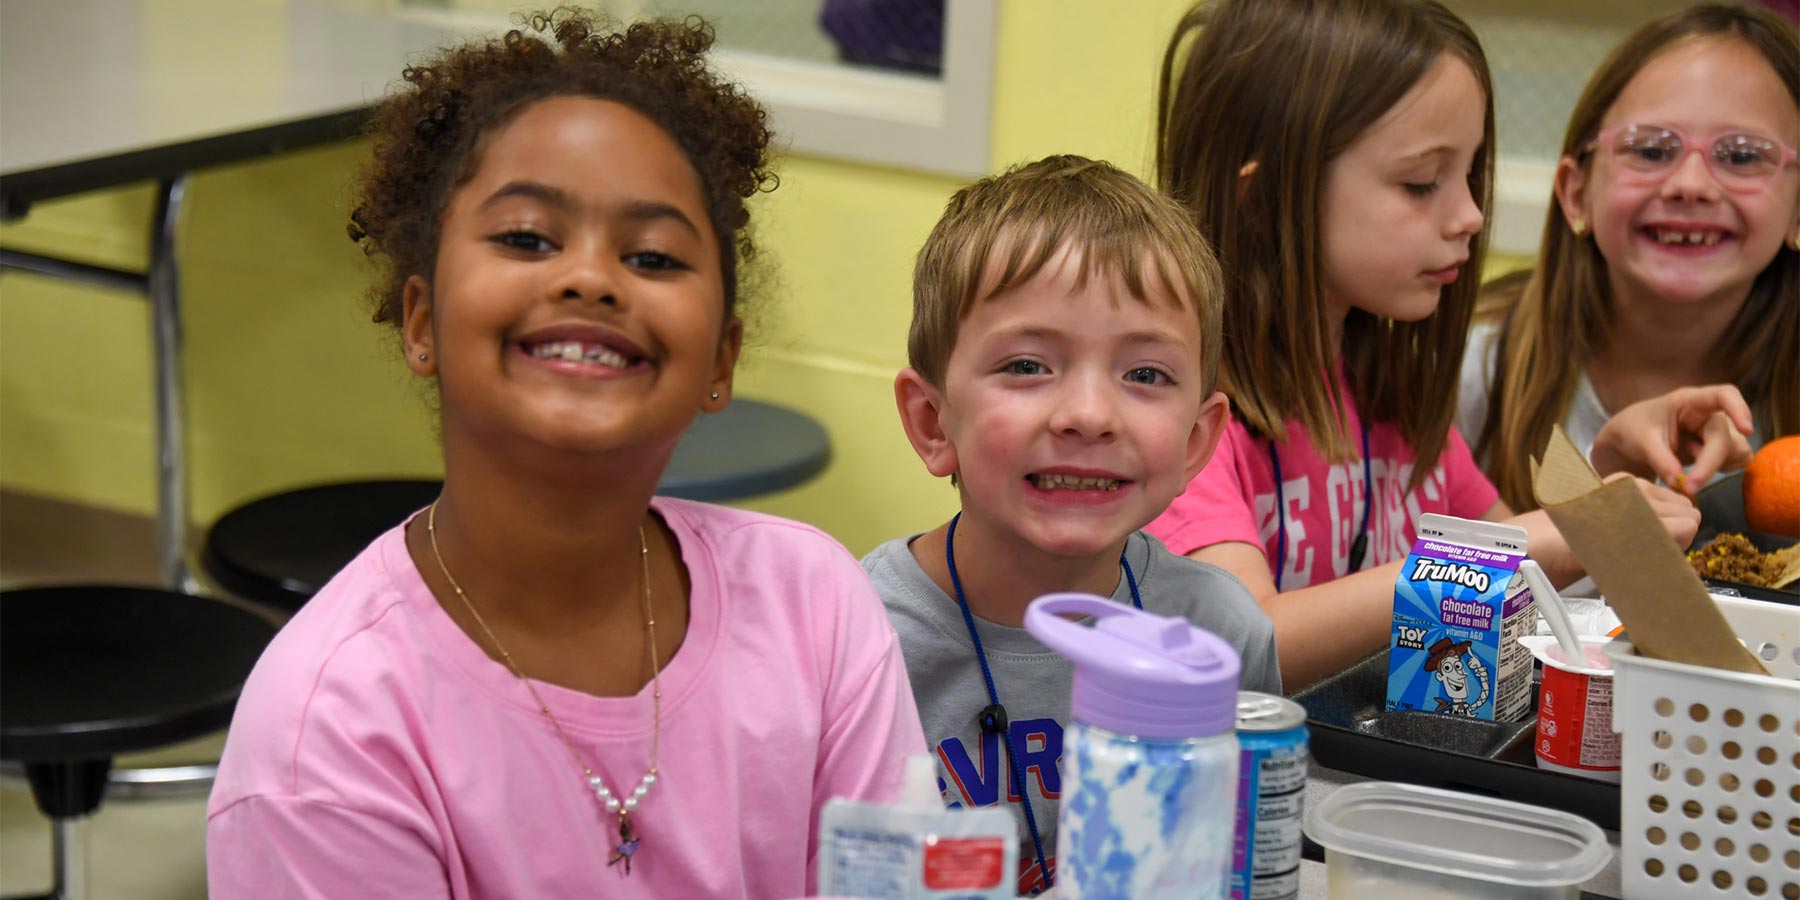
1688,145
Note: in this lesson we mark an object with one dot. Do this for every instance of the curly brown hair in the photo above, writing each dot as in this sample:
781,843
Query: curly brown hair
428,137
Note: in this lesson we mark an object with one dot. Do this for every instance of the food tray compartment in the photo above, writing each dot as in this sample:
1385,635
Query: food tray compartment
1351,732
1722,511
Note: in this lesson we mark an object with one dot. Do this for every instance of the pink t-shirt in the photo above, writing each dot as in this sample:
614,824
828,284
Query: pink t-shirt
1233,499
377,752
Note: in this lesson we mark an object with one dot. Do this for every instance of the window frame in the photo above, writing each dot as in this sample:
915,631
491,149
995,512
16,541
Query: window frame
937,125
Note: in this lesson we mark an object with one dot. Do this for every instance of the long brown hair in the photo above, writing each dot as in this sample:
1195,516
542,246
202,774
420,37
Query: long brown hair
1561,318
1289,85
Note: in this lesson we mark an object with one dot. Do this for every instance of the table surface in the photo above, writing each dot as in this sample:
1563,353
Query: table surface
95,93
88,672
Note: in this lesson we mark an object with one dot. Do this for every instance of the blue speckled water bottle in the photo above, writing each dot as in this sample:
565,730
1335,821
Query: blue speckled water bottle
1151,758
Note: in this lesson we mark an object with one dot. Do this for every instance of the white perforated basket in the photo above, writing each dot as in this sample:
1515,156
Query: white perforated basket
1710,793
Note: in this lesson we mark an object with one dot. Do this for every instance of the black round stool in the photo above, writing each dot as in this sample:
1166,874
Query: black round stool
89,672
280,549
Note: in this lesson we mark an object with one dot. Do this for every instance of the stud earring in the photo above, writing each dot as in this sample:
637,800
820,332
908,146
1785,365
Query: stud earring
424,356
715,395
1579,226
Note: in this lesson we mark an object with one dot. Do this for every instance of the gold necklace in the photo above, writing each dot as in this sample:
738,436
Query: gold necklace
629,841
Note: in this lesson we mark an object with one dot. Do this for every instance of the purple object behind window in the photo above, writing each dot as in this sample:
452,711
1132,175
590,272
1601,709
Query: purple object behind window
892,34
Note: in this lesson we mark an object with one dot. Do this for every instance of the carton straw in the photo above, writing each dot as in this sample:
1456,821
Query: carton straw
1646,578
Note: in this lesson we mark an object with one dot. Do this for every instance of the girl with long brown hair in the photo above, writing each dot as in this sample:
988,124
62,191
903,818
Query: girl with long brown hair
1340,154
1667,289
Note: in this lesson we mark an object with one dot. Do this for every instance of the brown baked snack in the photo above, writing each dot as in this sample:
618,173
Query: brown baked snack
1731,557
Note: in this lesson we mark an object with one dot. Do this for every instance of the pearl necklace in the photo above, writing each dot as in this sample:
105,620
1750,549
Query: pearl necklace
629,842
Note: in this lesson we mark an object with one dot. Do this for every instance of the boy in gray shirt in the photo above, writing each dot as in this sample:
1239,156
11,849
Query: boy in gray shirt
1063,351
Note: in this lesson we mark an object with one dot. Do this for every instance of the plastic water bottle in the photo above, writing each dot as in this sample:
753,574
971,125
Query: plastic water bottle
1151,758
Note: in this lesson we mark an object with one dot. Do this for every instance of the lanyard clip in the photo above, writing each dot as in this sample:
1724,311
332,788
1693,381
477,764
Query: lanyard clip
992,719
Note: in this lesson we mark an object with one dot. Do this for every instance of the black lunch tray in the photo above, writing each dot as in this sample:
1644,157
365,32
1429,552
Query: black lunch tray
1722,509
1349,731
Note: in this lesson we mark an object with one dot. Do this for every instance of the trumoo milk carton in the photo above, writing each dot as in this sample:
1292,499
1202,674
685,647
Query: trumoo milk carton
1459,608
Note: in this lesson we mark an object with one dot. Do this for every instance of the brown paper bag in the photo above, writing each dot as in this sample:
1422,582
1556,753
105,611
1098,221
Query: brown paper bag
1616,536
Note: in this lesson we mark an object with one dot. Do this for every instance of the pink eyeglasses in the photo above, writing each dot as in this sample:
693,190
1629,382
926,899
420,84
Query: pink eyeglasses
1741,160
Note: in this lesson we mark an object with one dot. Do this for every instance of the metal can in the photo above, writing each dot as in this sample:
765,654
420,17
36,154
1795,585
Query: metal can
1265,853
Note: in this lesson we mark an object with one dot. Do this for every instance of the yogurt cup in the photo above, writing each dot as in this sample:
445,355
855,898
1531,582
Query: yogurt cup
1574,727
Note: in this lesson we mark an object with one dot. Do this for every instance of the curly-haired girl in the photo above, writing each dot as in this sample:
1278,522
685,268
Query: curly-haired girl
539,686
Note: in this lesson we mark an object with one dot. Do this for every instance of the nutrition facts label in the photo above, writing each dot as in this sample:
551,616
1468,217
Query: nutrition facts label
1512,685
1280,783
1599,743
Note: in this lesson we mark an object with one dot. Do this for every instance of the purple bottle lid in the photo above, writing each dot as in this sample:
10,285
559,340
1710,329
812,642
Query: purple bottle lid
1138,673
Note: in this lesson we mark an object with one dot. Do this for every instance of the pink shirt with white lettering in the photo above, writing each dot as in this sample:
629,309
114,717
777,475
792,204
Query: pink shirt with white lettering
1233,499
377,752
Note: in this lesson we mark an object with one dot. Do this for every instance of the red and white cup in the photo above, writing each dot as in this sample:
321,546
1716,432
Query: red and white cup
1574,726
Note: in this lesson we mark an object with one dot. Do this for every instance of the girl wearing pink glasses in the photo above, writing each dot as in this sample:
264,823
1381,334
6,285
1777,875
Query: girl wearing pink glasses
1661,327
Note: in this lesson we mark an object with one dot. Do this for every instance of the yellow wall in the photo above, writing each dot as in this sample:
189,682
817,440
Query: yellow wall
288,383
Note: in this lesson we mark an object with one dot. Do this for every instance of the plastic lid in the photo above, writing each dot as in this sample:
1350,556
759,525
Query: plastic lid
1138,673
1496,841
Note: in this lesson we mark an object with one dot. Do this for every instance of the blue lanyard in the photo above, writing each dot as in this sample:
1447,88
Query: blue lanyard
1358,548
993,718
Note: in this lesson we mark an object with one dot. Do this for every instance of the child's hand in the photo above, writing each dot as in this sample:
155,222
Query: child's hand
1703,426
1679,516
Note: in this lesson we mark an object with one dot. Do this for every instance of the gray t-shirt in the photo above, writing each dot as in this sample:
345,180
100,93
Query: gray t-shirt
1032,680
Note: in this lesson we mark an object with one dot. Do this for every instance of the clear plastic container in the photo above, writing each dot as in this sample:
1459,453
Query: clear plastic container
1386,841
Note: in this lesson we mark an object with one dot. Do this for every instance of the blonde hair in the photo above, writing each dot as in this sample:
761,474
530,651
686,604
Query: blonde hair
1024,216
1289,85
1561,317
